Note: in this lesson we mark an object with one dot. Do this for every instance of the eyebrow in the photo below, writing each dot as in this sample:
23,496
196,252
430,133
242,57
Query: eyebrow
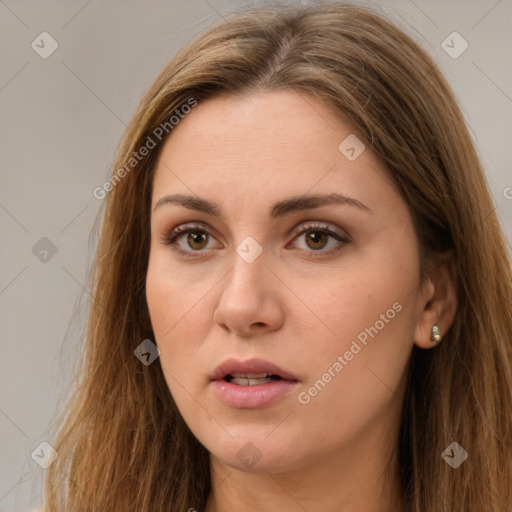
279,209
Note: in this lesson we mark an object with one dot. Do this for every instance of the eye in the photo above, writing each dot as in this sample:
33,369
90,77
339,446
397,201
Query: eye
317,237
196,239
197,235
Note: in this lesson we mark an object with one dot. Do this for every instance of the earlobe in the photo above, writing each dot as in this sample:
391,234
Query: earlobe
439,303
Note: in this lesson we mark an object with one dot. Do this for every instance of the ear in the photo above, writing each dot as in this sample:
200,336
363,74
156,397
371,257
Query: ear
438,302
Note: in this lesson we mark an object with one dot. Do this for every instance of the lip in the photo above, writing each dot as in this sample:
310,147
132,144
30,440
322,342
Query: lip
252,397
253,365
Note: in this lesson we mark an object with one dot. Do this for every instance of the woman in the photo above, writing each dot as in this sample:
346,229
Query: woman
301,292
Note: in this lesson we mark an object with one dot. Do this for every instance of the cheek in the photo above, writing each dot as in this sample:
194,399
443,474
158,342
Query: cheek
367,313
172,298
178,308
370,324
168,311
162,299
356,297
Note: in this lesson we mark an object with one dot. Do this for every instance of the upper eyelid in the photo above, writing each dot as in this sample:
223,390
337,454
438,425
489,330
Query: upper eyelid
298,230
319,225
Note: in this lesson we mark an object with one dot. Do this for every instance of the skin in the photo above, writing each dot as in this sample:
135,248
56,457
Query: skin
299,305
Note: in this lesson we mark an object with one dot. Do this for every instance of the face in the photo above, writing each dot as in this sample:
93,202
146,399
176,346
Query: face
323,293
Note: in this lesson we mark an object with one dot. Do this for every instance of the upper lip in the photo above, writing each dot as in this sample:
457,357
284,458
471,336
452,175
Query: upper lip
253,365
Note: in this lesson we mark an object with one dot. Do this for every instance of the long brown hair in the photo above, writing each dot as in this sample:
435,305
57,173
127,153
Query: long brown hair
122,443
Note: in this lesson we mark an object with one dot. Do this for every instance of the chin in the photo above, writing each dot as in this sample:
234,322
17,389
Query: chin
255,454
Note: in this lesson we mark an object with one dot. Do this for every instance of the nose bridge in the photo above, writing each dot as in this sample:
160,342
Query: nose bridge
245,298
249,267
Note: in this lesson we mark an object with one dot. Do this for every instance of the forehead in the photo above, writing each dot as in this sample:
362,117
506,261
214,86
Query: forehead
261,147
284,125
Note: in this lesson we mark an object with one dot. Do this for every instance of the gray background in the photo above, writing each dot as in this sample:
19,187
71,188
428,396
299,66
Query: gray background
62,119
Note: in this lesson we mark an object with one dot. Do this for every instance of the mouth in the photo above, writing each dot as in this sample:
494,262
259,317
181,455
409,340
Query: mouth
252,384
251,372
251,379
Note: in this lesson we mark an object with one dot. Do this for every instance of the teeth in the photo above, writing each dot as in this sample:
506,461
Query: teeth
250,375
250,379
251,382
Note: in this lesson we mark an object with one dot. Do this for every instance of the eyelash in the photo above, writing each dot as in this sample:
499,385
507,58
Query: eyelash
178,232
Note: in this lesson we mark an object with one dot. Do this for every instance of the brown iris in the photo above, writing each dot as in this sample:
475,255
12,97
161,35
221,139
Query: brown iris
196,237
318,238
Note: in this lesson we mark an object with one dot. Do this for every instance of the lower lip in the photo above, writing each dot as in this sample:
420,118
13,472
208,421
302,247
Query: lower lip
253,397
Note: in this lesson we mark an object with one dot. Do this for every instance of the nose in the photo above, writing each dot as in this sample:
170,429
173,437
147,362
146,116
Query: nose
251,301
